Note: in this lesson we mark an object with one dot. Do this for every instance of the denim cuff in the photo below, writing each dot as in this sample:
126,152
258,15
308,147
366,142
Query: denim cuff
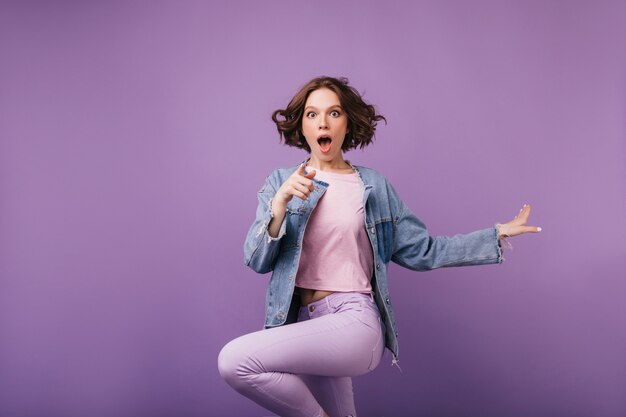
283,226
501,240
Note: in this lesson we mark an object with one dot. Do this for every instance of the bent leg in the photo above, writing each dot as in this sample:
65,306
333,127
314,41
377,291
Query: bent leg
261,365
335,338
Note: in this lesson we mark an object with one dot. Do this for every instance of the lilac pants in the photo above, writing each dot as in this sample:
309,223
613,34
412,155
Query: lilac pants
305,368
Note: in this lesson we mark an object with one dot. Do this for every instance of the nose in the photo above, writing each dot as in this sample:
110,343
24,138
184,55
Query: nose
323,124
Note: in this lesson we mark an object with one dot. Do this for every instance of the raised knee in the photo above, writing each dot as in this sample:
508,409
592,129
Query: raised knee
227,362
231,365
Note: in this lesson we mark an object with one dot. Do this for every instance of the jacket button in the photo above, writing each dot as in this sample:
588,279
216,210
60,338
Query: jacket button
311,308
373,230
377,266
387,300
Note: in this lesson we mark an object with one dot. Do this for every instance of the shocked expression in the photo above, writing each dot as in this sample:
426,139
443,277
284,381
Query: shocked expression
324,124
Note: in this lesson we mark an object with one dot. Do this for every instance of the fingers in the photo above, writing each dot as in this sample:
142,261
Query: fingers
303,178
300,183
524,211
292,189
303,188
305,182
300,187
521,219
302,171
299,194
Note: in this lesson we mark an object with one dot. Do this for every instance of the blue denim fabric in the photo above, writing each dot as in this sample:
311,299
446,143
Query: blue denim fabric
395,233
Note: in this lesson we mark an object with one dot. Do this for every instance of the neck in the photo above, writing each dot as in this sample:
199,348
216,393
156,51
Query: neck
336,164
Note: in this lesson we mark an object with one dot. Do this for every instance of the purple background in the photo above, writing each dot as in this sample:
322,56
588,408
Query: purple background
134,137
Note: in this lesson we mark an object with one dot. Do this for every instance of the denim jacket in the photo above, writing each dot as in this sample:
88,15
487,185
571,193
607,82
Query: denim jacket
395,234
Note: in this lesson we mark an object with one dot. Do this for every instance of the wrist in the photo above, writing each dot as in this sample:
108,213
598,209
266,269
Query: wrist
278,206
502,231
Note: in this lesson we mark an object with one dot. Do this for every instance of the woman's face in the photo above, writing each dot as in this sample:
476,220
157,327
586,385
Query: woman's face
324,118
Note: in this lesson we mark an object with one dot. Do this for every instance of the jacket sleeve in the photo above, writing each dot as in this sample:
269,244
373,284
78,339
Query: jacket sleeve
415,249
260,249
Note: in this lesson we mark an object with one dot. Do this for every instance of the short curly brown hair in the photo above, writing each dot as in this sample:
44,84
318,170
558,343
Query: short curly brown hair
362,117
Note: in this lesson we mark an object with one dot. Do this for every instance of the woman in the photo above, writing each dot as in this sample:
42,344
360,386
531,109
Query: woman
329,284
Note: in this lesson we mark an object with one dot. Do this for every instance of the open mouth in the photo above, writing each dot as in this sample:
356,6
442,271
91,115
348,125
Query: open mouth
324,142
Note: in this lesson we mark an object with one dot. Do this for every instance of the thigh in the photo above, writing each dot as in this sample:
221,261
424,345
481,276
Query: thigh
338,344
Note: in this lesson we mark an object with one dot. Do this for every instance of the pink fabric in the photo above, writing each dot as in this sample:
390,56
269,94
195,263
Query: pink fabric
336,252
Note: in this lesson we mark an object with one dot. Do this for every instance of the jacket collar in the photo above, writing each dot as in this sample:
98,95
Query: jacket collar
354,167
367,186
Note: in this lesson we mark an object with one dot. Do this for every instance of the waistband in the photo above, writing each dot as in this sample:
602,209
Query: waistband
335,295
335,301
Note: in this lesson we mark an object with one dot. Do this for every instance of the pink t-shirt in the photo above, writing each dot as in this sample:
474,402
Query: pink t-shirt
336,251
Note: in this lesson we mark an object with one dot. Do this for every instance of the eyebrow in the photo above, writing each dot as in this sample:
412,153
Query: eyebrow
315,108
